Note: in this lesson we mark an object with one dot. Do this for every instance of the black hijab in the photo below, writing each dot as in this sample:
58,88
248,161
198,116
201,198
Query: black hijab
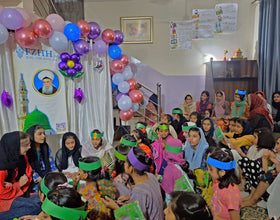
44,153
75,153
276,105
10,157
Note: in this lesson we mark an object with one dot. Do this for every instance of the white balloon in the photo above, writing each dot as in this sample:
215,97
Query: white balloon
58,41
117,78
127,73
4,34
135,107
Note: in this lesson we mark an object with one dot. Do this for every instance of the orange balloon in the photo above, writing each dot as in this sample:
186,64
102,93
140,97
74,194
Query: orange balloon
132,84
84,26
25,37
136,96
124,59
116,66
126,115
42,28
108,36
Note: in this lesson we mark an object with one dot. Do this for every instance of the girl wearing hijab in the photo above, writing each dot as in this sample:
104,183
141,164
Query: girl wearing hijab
259,116
39,155
276,111
220,107
204,102
239,107
16,177
67,157
195,148
188,106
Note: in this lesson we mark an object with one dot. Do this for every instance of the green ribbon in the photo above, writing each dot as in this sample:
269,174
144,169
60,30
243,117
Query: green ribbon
187,128
171,149
177,111
163,127
96,135
139,125
128,143
63,212
119,156
43,187
89,166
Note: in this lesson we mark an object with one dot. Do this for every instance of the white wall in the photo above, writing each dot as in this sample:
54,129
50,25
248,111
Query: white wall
157,55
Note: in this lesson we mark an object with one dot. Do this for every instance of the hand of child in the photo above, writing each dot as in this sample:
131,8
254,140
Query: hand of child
123,199
28,217
23,180
6,184
110,203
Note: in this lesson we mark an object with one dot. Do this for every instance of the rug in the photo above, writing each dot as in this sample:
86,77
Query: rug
253,213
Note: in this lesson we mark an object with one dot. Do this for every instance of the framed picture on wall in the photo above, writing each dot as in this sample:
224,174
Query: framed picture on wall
137,30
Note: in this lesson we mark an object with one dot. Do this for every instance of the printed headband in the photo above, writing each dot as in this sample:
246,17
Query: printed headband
172,149
163,127
139,125
240,92
44,189
119,156
128,143
63,212
96,135
221,165
187,128
89,166
135,162
177,111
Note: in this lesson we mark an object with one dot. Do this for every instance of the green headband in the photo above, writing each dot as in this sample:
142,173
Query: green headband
163,127
96,135
128,143
171,149
177,111
89,166
44,189
139,125
187,128
63,212
119,156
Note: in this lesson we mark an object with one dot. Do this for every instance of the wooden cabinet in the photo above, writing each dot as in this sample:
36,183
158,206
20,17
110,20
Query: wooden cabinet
231,75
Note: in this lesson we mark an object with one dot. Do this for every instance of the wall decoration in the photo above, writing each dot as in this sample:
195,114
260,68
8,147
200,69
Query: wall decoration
137,29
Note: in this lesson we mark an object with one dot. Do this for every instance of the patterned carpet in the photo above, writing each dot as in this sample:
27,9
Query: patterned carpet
253,213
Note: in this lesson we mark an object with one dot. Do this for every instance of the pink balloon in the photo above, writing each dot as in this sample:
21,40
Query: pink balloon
126,115
116,66
42,28
84,26
124,59
136,96
112,72
132,84
108,36
56,21
25,37
25,15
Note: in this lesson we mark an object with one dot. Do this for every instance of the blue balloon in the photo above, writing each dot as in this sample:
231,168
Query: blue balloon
123,87
72,32
114,86
124,103
115,52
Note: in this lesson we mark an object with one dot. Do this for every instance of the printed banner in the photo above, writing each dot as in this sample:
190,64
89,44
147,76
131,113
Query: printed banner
40,88
226,17
204,23
181,33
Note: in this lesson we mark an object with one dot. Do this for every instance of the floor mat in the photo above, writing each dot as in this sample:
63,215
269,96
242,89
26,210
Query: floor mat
253,213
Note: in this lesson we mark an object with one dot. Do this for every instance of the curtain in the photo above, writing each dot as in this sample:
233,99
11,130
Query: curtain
94,112
269,47
8,116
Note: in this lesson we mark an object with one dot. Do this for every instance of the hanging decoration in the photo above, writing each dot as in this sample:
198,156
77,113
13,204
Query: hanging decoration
6,99
79,95
70,65
61,34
